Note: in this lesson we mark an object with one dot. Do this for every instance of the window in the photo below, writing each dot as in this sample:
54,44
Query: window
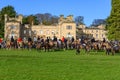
47,32
56,32
24,39
35,32
13,27
96,30
69,27
12,34
35,39
102,35
24,31
41,32
96,35
69,35
53,32
30,33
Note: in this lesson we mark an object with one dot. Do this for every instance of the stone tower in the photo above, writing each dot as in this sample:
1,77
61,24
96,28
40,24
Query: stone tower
67,26
12,27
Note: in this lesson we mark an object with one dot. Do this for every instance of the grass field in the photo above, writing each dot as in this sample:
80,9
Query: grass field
59,65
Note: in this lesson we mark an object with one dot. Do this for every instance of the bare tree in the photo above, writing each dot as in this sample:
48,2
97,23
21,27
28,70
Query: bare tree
79,20
97,22
47,18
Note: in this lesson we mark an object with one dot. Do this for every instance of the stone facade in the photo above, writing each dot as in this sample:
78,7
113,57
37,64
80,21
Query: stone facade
13,27
65,27
98,32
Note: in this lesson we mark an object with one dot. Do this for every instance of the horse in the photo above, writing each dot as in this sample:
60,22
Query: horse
49,45
69,44
29,45
95,46
102,45
20,44
77,46
39,46
115,48
87,47
12,45
109,48
7,44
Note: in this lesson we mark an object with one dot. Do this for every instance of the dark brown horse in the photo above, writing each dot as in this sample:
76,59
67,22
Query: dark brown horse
109,49
49,45
12,44
29,45
39,46
96,46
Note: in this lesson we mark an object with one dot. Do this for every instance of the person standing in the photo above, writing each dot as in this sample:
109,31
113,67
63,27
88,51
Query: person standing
47,40
0,42
29,43
63,39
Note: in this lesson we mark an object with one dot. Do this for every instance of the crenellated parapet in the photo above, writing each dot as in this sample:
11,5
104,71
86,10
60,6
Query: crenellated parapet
13,19
67,19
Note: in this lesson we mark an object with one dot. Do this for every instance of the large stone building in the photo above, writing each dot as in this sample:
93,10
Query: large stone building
98,32
65,27
13,27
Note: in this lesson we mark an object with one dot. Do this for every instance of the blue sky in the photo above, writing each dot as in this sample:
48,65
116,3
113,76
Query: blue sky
90,9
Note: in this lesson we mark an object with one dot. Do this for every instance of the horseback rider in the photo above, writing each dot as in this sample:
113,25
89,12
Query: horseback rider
38,39
12,39
93,40
63,39
72,39
30,43
54,39
104,40
29,39
38,45
12,42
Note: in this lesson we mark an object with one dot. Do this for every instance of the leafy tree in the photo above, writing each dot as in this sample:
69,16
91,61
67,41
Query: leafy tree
10,11
113,21
24,20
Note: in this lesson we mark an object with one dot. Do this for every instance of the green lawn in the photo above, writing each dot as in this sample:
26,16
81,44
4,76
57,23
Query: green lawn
60,65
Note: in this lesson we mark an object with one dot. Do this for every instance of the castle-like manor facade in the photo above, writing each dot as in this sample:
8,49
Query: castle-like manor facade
65,27
98,32
13,27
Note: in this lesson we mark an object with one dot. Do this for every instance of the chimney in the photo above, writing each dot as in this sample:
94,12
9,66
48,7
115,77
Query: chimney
5,17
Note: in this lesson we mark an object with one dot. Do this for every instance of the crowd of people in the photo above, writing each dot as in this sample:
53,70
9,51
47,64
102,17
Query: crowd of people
21,43
63,43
